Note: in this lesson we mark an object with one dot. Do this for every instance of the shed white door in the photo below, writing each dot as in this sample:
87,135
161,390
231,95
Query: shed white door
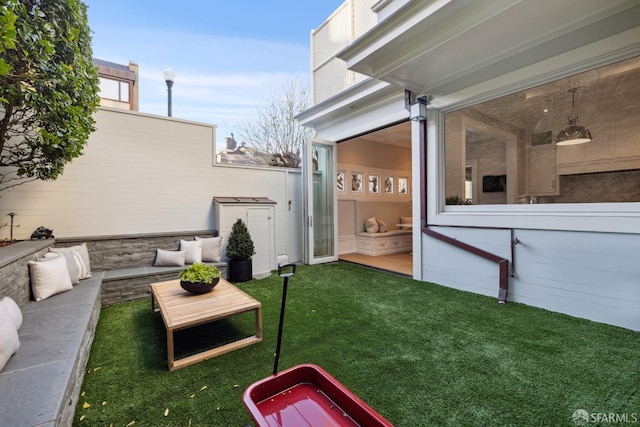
261,226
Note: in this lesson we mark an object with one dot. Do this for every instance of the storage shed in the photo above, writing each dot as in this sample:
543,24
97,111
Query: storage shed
258,213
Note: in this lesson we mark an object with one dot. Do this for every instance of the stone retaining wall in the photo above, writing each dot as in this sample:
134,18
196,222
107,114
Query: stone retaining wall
14,268
106,253
127,251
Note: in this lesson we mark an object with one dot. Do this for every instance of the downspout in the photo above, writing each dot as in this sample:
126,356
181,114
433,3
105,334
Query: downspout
503,263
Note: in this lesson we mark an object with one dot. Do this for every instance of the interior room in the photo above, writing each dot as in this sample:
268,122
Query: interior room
573,140
374,199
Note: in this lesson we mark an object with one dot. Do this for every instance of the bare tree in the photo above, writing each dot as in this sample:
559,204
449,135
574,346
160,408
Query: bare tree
275,135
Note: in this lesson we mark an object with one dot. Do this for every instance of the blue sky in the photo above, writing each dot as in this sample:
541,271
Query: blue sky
228,56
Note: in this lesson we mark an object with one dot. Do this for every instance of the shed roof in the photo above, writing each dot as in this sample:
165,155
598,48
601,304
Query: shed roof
244,200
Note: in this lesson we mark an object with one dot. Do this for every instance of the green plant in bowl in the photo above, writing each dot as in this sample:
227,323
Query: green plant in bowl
199,278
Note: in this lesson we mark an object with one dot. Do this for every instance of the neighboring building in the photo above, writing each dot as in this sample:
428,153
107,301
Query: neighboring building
118,84
549,223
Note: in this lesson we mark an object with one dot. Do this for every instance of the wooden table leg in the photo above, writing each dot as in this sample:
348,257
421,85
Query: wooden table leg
170,355
259,322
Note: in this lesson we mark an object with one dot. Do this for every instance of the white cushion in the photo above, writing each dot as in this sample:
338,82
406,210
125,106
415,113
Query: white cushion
170,258
211,248
382,226
49,277
81,256
194,250
9,340
14,311
371,225
72,264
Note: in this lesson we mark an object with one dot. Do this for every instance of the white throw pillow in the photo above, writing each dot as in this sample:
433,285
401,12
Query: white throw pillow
72,265
382,226
211,248
170,258
9,340
49,277
194,250
81,255
14,311
371,225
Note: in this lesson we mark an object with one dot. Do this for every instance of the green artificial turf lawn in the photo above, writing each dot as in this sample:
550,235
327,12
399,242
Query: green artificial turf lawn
418,353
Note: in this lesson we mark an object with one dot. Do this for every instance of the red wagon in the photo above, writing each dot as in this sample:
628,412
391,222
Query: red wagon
305,395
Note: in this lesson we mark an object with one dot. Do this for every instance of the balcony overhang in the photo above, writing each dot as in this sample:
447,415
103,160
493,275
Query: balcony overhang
346,103
442,46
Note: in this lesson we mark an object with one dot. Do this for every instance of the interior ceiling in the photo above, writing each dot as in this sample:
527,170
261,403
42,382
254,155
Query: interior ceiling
398,135
547,107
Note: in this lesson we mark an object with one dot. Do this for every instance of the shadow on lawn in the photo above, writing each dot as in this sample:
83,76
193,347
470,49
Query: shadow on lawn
187,341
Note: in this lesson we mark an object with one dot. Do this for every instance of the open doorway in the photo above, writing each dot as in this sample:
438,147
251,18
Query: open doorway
374,199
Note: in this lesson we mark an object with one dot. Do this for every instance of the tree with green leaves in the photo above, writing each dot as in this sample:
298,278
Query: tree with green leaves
48,88
275,136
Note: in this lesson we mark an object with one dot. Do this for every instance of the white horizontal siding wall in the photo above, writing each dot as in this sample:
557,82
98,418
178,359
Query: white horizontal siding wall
142,173
447,265
594,276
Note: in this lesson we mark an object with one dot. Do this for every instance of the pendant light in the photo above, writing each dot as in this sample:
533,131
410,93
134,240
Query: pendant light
573,134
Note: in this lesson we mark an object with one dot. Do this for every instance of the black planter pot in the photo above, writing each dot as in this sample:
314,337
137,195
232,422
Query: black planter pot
199,287
240,271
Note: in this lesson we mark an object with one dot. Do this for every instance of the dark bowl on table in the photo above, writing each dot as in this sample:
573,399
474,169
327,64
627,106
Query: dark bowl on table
199,287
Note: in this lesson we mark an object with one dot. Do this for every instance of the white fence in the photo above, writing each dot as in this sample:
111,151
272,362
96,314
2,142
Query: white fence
141,173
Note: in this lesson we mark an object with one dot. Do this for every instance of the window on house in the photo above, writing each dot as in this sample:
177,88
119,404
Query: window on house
114,89
512,142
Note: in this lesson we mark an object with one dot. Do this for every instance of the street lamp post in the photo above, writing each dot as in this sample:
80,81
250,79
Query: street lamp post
169,77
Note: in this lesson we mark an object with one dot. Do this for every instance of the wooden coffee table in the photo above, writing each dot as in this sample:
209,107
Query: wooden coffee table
181,309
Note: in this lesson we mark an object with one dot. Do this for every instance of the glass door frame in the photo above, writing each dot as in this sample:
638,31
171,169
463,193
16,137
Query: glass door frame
311,221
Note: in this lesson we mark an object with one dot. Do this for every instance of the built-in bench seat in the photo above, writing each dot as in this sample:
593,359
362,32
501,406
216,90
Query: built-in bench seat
383,243
40,384
126,284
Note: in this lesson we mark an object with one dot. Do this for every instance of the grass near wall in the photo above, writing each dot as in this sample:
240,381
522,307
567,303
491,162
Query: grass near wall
420,354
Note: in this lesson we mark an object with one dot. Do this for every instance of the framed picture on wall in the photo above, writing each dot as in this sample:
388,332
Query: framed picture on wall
403,185
340,182
388,185
356,182
374,184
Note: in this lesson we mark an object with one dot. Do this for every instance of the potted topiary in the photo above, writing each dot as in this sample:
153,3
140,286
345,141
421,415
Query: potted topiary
199,278
240,249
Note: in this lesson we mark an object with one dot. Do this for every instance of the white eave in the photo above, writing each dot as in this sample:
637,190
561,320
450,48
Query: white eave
442,46
346,102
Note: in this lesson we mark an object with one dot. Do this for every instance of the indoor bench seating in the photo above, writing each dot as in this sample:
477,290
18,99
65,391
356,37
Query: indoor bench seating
383,243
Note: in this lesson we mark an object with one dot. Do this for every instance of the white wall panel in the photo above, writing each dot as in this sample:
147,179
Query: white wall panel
590,275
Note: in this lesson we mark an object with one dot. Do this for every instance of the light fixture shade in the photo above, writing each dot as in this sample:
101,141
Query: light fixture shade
418,111
573,135
169,75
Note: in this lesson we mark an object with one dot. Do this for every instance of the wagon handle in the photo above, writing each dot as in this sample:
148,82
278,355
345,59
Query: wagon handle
285,276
